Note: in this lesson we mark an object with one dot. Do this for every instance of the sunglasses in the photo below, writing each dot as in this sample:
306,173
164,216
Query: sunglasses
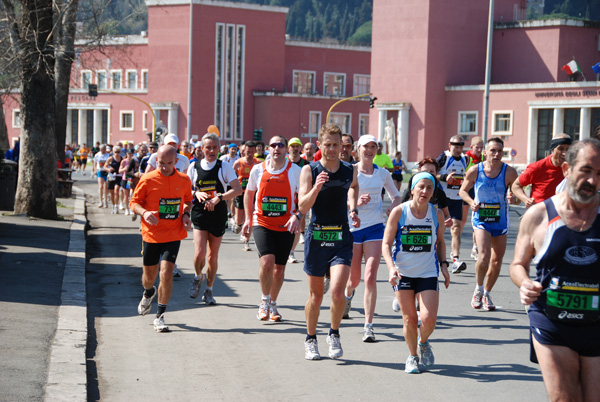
277,145
458,144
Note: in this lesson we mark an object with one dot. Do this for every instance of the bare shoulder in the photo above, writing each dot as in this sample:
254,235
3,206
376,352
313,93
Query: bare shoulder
535,220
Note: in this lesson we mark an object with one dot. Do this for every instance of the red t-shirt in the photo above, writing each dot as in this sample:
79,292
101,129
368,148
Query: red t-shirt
543,177
165,194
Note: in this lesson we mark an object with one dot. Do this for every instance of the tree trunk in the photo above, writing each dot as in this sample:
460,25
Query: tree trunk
65,54
4,145
36,187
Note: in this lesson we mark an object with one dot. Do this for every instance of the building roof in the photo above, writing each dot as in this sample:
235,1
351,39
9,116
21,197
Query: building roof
216,3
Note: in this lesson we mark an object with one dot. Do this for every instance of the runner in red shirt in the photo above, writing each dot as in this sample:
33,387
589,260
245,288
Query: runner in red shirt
242,168
543,175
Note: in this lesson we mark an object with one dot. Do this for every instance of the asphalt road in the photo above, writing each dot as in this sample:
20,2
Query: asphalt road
223,352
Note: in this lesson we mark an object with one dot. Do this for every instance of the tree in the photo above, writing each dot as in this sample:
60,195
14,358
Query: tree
31,24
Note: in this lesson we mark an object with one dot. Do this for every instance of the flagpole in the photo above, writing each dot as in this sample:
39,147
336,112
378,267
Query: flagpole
488,72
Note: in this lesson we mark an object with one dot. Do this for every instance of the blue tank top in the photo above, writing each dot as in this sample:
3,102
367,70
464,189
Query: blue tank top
397,167
567,266
490,194
331,205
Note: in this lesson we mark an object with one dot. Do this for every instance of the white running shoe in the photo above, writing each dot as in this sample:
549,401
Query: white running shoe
311,350
487,302
426,352
146,303
292,258
474,253
100,204
395,304
335,346
476,301
159,324
115,210
176,273
301,240
348,306
458,266
274,315
326,283
105,204
368,334
121,206
263,310
246,246
412,365
127,212
208,298
196,285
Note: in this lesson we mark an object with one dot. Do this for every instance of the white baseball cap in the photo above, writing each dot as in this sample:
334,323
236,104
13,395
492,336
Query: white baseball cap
171,138
365,139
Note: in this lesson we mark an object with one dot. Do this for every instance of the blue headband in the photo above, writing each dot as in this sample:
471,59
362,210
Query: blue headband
420,176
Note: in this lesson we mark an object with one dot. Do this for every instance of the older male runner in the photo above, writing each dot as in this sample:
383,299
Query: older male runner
491,179
543,175
242,167
561,236
163,199
330,187
274,220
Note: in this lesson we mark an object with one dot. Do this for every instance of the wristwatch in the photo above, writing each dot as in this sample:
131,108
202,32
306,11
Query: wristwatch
299,215
186,213
447,263
354,210
220,195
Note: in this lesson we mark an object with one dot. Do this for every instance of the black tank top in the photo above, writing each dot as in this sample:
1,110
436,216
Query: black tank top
208,182
331,206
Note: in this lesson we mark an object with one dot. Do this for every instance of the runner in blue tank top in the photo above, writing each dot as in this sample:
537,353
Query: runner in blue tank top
562,237
330,188
491,179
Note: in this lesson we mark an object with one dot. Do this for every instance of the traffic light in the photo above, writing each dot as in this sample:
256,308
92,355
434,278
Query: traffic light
93,90
372,102
257,135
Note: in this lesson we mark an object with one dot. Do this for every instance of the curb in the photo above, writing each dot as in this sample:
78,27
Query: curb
67,376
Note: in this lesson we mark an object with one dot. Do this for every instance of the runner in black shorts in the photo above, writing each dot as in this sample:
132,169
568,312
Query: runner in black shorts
562,237
330,188
210,178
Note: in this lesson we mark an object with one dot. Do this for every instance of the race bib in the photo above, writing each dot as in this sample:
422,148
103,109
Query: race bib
209,187
416,239
455,182
489,212
168,208
573,301
327,233
244,183
274,206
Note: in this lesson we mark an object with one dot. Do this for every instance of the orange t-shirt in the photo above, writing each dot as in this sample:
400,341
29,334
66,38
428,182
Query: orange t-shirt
166,195
243,170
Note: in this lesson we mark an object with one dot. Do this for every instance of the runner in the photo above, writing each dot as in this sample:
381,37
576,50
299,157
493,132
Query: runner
399,168
274,220
83,157
346,149
453,166
474,156
294,148
210,178
127,170
368,239
182,163
114,179
413,249
242,168
163,200
491,179
330,188
308,151
98,170
544,175
562,238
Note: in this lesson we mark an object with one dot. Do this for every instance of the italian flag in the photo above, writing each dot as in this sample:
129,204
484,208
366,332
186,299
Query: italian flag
571,67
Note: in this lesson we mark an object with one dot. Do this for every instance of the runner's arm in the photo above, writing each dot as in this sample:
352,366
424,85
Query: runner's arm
391,229
440,248
519,192
467,185
353,198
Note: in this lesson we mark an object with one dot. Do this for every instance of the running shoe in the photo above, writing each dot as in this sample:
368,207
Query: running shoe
458,266
159,324
326,283
368,334
348,306
311,350
100,204
292,258
121,206
237,228
301,240
246,246
176,273
488,304
263,310
274,315
335,346
105,204
474,253
146,303
412,365
196,285
208,298
476,302
115,210
395,304
426,352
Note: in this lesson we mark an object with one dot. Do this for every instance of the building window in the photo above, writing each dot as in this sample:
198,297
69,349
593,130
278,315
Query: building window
145,121
362,84
101,79
229,79
572,123
342,120
334,84
132,79
502,122
304,82
126,120
506,155
116,79
86,79
314,122
544,132
16,118
467,123
363,124
144,79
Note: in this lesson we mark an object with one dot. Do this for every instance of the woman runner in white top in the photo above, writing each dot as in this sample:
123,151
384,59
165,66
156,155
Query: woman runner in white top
414,249
368,238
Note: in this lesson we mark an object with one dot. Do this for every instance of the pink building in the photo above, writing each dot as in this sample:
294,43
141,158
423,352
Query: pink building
428,72
245,75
